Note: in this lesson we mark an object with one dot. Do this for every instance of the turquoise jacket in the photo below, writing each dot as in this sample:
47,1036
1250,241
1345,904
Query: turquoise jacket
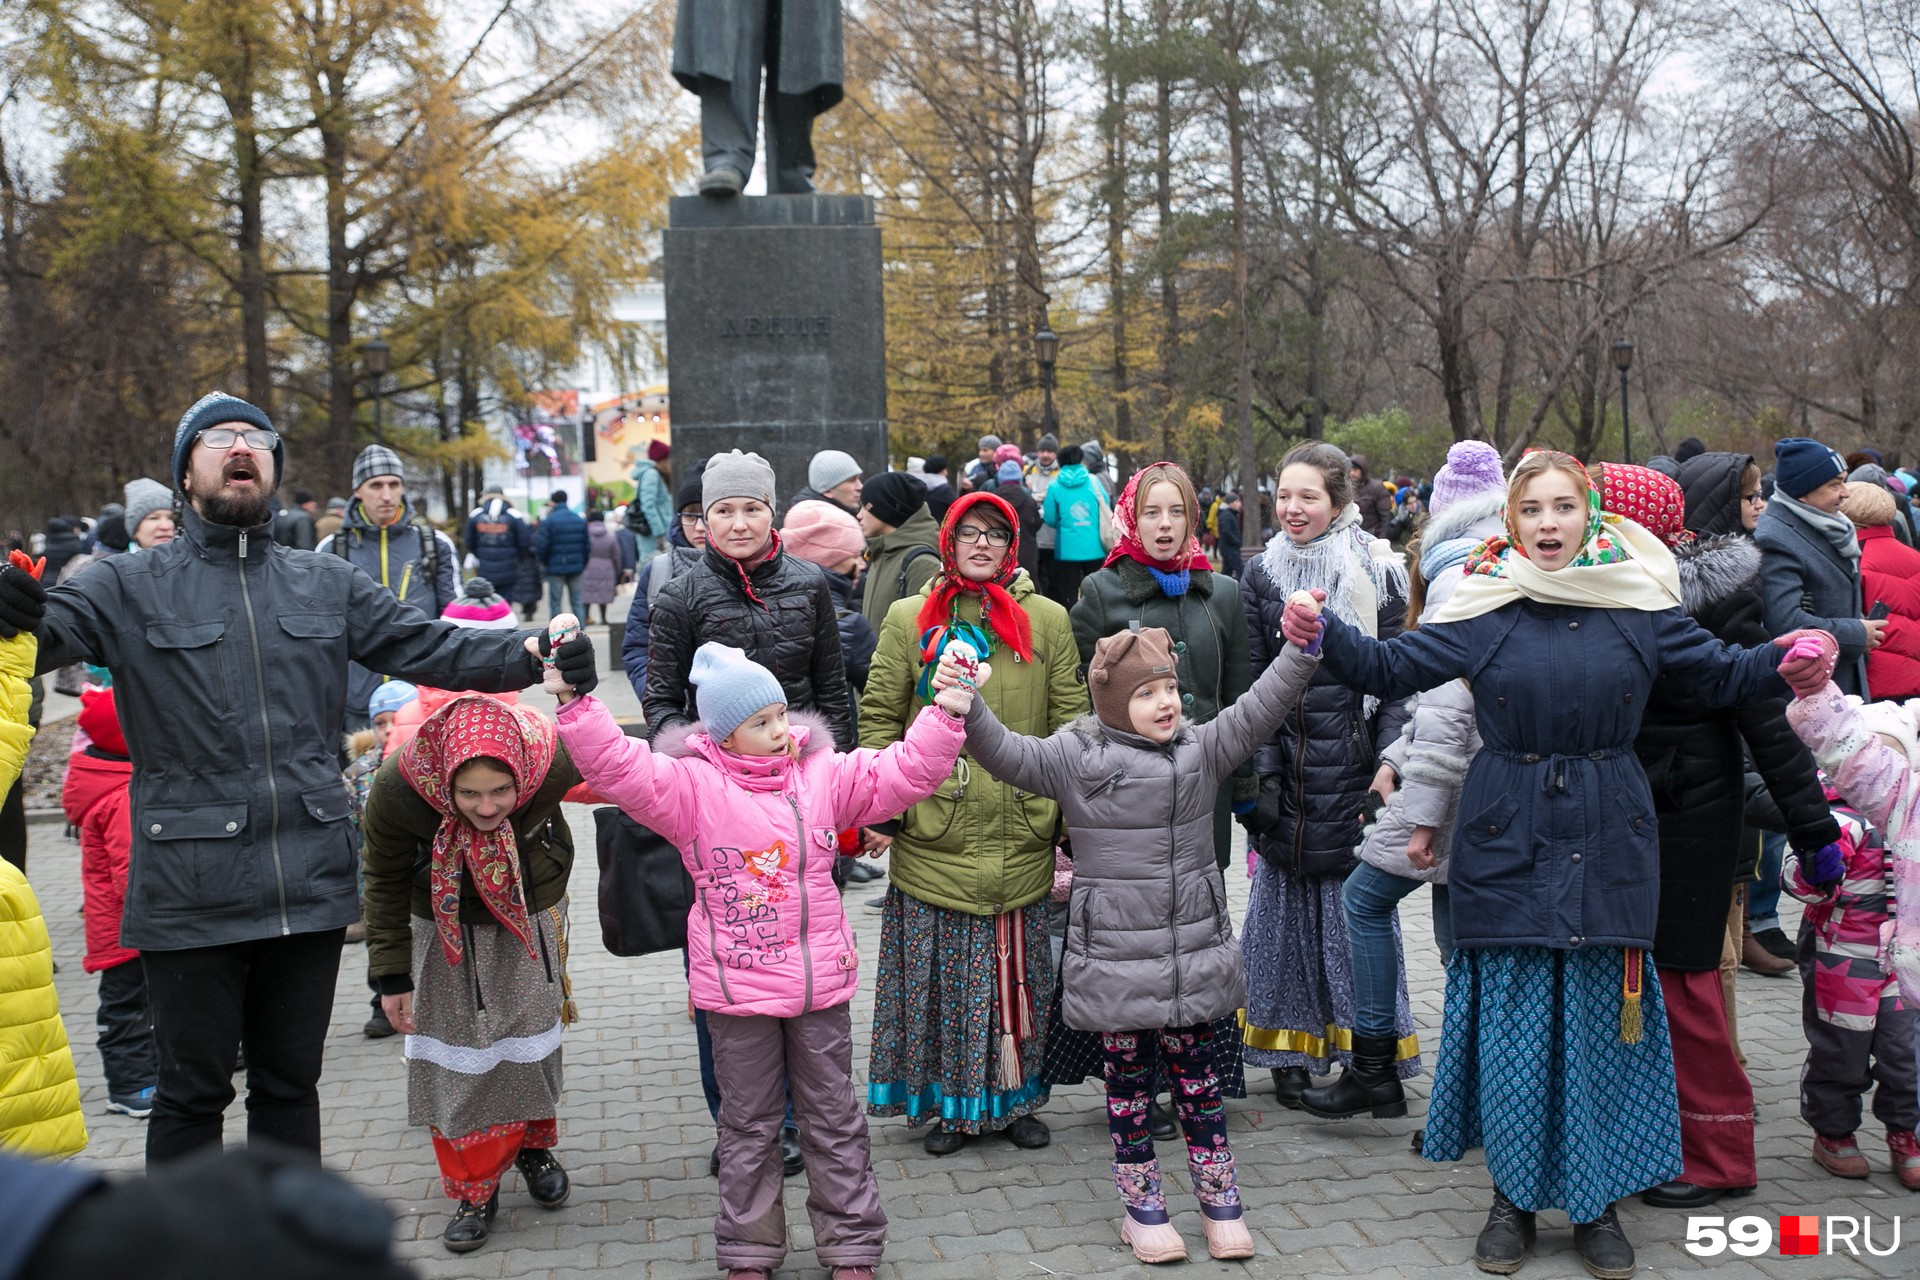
1072,508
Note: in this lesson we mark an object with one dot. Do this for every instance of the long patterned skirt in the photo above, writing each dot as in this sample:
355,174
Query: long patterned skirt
1533,1067
1300,976
936,1018
484,1068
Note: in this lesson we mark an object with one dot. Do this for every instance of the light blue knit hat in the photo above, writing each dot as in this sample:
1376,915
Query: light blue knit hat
730,687
390,696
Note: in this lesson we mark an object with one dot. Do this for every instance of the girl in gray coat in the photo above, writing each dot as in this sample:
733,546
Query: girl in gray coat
1151,959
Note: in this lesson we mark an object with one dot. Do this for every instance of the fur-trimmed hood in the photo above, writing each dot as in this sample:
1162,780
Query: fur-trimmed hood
1469,521
1714,568
684,739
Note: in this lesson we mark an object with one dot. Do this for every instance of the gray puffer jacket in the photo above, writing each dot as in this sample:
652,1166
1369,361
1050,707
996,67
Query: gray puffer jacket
229,655
1149,939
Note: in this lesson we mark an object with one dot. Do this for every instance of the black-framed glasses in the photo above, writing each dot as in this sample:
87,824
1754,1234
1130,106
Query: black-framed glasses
693,517
1755,499
256,438
994,537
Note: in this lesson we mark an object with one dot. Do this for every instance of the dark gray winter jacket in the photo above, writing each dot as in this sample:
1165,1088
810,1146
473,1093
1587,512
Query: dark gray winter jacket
229,655
1149,939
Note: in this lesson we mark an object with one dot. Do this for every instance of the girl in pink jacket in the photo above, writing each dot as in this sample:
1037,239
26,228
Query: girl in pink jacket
1860,946
754,803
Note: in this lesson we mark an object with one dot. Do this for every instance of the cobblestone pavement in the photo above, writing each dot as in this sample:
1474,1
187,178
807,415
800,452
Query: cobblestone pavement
1324,1199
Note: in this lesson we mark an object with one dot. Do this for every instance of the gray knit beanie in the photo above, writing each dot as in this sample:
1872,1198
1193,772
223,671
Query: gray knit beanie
730,687
377,460
143,498
736,475
829,468
211,410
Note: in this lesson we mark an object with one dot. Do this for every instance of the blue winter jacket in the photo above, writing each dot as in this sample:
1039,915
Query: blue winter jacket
496,536
1072,507
1556,844
561,542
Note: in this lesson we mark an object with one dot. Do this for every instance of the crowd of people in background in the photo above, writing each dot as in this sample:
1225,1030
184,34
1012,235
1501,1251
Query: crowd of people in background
1607,712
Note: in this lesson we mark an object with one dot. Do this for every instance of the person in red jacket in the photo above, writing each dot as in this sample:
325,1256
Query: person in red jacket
97,803
1889,575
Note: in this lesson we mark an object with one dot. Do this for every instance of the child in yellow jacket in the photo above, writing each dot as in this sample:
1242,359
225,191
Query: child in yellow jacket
39,1097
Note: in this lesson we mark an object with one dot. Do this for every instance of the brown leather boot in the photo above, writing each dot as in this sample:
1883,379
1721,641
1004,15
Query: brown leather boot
1757,958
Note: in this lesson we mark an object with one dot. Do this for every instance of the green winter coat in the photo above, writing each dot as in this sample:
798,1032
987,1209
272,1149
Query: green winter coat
1209,630
977,845
887,556
398,829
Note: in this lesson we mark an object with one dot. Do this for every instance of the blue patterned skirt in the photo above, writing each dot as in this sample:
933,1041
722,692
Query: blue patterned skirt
1532,1067
1300,977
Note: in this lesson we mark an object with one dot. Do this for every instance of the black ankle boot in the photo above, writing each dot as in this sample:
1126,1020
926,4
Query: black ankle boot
1504,1241
1289,1083
471,1224
1604,1246
547,1182
1371,1084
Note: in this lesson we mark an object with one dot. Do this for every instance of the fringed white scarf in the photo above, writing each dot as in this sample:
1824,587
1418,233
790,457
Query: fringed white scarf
1354,568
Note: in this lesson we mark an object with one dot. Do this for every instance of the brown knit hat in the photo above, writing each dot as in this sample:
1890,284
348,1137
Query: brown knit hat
1121,664
1867,505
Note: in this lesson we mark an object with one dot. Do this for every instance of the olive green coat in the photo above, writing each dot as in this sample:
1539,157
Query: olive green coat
887,555
977,845
397,830
1209,630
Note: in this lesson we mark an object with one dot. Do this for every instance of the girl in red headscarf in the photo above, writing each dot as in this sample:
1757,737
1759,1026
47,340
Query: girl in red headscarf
1693,756
467,857
965,970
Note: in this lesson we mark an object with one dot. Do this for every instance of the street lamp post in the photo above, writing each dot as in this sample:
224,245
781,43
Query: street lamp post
1046,352
1623,360
375,355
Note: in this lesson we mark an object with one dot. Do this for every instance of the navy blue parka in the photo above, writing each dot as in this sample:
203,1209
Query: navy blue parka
1556,844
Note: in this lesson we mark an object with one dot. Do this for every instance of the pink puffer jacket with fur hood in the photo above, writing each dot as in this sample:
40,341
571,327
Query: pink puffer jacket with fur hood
767,934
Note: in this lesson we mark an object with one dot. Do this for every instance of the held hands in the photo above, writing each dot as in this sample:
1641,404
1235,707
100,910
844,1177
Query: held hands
957,677
1420,848
399,1011
1825,866
1809,662
571,670
1301,623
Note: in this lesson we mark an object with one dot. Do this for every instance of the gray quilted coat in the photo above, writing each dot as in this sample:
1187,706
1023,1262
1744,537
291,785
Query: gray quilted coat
1150,942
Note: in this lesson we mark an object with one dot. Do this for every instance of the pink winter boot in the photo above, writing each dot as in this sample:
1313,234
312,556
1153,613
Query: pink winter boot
1220,1212
1145,1226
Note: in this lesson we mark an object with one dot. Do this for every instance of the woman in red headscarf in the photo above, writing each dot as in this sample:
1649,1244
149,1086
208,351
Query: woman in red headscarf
965,972
467,857
1693,758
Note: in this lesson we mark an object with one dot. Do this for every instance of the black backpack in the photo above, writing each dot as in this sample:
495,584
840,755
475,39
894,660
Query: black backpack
429,557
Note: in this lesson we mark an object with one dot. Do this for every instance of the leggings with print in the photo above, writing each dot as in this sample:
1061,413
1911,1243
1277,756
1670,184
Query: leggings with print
1131,1062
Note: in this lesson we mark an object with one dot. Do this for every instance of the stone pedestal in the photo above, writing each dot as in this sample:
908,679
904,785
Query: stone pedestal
775,330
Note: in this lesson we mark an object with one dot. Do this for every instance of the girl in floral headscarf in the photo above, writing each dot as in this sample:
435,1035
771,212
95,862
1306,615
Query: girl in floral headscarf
965,971
467,857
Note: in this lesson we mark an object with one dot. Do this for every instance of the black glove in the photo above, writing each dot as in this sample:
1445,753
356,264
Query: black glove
574,661
23,602
266,1210
1265,816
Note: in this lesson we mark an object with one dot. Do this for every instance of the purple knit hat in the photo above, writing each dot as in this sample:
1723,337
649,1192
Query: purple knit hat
1472,469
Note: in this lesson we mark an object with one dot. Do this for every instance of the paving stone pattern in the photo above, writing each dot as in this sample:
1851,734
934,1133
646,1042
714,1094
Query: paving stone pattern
1323,1199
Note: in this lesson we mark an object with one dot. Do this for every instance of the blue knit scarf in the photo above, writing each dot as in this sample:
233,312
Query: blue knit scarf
1174,584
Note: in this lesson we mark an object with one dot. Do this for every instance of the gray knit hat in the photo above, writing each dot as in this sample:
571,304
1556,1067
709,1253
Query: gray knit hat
829,468
730,687
211,410
377,460
736,475
144,497
989,442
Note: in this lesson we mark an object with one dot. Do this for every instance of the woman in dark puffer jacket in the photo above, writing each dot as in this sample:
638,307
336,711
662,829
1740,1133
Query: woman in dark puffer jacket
1693,758
1314,778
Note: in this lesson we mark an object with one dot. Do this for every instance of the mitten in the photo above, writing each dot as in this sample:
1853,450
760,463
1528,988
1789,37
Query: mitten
1826,865
1809,662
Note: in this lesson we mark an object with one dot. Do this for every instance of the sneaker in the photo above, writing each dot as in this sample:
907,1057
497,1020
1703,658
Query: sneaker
140,1105
1903,1148
378,1028
1839,1156
1776,941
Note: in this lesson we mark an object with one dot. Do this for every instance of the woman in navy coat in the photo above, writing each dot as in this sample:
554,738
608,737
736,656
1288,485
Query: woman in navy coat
1555,1053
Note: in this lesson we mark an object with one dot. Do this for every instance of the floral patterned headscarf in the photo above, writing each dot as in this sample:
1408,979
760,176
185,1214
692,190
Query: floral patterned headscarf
1597,546
465,730
1651,500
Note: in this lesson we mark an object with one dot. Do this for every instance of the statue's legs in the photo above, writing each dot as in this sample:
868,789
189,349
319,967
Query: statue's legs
789,124
730,110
